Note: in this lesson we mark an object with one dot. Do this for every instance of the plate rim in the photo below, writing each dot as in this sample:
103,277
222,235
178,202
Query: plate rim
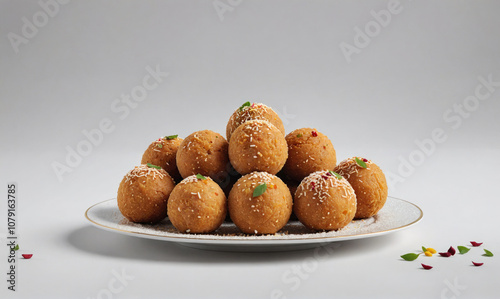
250,242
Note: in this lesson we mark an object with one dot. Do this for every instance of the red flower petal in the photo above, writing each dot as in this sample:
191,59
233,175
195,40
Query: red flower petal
426,267
476,244
27,256
452,250
445,254
477,264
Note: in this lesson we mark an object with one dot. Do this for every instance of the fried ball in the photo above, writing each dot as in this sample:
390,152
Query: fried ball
203,152
143,194
369,184
308,151
266,213
257,145
292,186
197,205
324,201
162,152
251,112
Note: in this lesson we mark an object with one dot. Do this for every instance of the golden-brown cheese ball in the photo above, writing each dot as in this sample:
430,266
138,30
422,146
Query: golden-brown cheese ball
369,184
251,112
143,194
308,151
257,145
197,205
203,152
265,213
162,152
324,201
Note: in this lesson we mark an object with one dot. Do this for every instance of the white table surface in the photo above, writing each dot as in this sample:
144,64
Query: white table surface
394,93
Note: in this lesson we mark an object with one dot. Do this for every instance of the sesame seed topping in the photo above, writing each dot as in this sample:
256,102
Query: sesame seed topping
349,166
320,182
260,177
143,171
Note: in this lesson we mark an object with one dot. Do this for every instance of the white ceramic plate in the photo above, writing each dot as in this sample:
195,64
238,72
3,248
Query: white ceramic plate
396,214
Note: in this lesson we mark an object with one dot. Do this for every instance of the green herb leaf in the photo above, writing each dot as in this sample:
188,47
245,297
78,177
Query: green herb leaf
487,253
170,137
463,249
259,190
153,166
360,162
335,174
16,248
424,249
299,135
159,145
201,177
410,256
244,105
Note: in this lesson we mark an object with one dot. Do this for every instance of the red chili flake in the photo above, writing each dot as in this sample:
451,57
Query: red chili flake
313,185
329,174
426,267
477,264
314,133
452,250
324,177
27,256
476,244
364,160
445,254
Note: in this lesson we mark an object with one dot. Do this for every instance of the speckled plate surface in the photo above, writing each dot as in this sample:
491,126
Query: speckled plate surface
396,214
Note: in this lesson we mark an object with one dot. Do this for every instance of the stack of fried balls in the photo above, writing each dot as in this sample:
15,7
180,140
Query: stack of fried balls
256,177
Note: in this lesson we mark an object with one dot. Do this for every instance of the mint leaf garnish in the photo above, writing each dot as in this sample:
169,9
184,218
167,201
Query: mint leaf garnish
259,190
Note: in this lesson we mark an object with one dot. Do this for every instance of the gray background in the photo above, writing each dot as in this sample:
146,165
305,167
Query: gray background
285,54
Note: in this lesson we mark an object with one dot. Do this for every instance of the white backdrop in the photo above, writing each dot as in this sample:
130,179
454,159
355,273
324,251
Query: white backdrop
412,85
